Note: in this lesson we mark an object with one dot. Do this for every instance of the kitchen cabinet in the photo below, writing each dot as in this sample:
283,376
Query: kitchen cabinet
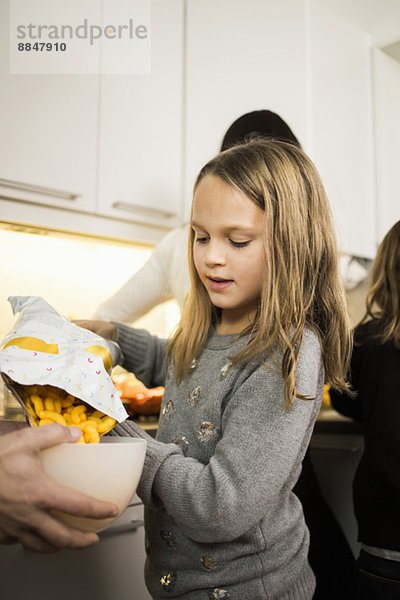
49,134
342,127
106,146
240,57
127,148
300,60
387,134
110,570
141,119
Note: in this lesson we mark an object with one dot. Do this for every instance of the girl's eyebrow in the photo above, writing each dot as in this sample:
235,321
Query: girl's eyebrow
227,229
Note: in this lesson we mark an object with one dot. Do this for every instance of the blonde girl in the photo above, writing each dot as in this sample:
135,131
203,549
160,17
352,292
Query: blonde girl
263,327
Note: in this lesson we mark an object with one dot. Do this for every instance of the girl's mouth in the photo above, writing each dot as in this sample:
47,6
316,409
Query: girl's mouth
217,283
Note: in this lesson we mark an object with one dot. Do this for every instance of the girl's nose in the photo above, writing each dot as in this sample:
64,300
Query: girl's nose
215,254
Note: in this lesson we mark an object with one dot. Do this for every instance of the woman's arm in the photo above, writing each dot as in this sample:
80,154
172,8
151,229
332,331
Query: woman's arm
152,284
147,288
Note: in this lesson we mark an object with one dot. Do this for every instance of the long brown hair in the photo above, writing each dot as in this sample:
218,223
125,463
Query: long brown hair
383,297
302,283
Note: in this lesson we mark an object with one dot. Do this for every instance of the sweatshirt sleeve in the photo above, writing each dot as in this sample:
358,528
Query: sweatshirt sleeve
143,354
258,456
147,288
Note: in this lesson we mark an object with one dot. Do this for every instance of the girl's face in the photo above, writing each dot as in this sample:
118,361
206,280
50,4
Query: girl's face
228,251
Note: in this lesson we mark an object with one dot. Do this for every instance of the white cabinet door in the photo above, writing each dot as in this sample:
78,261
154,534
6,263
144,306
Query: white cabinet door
48,127
341,113
113,569
241,56
387,135
141,129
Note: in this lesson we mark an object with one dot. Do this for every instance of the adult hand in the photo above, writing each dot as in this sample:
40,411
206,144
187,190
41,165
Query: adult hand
102,328
27,495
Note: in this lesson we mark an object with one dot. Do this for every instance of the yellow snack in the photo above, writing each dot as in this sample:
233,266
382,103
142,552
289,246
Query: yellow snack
47,404
67,418
76,413
84,425
45,422
37,403
51,414
106,424
93,418
97,413
91,436
68,401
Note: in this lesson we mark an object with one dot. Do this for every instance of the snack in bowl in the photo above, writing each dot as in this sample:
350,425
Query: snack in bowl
108,471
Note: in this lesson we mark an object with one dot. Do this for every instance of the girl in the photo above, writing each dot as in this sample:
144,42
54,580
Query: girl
262,328
375,375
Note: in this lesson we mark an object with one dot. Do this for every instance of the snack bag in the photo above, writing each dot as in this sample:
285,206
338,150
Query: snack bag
58,371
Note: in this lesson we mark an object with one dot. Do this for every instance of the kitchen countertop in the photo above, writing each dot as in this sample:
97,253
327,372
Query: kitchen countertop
329,421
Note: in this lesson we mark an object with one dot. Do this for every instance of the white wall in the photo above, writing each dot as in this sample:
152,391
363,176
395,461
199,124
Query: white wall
387,136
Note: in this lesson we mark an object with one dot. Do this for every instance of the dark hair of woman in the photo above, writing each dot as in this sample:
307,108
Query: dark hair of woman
263,123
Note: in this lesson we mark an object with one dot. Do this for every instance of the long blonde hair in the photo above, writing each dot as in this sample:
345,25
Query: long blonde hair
383,297
302,284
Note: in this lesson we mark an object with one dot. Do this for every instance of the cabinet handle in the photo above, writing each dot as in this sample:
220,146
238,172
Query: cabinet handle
131,526
38,189
149,210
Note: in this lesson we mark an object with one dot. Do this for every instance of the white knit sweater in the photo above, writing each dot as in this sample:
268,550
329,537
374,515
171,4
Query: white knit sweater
163,277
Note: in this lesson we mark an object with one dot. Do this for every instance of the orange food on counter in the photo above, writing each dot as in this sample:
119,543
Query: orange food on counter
141,400
326,399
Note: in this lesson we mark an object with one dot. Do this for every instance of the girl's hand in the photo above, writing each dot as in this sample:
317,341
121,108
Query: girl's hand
27,495
103,328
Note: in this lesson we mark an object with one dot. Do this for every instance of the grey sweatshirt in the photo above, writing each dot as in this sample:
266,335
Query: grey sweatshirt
221,520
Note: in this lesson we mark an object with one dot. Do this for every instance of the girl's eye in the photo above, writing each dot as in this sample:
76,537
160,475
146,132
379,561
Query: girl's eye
240,244
201,240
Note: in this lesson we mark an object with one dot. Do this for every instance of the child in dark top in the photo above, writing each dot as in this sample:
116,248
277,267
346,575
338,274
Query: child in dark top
375,376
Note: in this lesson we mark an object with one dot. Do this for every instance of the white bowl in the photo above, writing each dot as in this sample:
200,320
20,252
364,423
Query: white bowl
108,471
